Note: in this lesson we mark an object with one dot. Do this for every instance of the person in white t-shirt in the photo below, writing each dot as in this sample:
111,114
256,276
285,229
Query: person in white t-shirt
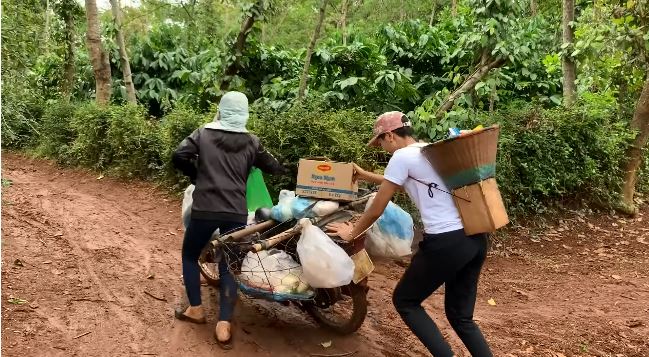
445,256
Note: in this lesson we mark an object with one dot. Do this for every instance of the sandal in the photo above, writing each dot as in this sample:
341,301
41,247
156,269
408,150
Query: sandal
227,344
180,315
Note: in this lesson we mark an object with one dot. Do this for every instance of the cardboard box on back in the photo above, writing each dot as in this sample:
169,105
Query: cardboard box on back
486,211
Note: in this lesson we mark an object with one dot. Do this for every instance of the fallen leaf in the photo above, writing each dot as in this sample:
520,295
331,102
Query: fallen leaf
47,262
326,344
16,301
19,263
491,302
151,276
566,247
100,177
616,277
172,233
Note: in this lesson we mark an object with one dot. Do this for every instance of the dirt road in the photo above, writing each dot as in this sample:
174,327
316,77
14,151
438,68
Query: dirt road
86,255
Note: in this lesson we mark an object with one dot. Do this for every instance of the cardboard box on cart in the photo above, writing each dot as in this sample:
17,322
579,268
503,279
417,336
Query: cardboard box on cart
326,180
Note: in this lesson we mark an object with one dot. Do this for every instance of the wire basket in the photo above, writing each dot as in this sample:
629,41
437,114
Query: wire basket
274,274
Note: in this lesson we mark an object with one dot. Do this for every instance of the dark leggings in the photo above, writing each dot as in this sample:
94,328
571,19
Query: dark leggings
455,260
197,235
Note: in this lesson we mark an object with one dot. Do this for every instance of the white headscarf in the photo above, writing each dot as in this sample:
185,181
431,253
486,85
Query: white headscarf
233,113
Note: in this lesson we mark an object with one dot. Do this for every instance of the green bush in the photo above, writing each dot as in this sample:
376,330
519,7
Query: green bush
91,147
174,128
545,156
56,133
134,141
22,108
307,130
552,155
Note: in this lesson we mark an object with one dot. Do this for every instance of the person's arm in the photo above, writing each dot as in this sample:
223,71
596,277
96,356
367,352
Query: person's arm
185,156
367,176
267,162
350,232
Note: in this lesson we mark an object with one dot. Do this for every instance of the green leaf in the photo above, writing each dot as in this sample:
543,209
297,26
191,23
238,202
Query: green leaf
556,99
348,82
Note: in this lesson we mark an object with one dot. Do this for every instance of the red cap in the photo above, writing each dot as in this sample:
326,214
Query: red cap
386,123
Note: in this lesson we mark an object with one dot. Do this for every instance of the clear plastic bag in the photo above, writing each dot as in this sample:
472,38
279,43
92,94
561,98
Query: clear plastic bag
324,263
187,205
274,271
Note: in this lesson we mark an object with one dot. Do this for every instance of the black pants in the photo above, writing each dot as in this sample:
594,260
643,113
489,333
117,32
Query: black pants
453,259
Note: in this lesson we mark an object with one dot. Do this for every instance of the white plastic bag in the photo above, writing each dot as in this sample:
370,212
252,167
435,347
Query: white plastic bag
300,207
392,234
187,205
282,211
273,270
323,208
324,263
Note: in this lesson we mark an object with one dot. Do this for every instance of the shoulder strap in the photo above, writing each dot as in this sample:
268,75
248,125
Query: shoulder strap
434,186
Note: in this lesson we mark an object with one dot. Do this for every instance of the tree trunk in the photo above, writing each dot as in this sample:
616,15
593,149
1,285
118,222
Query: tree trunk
309,50
343,20
454,7
46,29
432,13
98,57
568,64
468,84
123,55
69,67
492,98
238,48
633,155
533,7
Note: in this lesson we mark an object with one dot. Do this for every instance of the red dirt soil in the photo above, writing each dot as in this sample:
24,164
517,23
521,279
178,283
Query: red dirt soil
87,254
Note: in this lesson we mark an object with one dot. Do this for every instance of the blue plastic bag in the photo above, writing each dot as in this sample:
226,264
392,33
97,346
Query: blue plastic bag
300,208
392,234
282,210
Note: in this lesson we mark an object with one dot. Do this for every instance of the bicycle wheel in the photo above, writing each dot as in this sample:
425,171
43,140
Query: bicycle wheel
208,263
341,310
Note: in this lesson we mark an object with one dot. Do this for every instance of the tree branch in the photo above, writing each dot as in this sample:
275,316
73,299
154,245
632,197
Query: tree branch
468,84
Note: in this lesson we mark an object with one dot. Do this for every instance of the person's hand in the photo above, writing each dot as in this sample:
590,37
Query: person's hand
359,173
343,230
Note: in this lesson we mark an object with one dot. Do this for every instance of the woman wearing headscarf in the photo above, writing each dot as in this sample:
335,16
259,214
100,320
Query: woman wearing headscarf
217,158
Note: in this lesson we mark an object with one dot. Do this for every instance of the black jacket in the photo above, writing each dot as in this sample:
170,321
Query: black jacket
220,171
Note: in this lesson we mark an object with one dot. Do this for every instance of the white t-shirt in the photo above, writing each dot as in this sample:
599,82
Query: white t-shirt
439,213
